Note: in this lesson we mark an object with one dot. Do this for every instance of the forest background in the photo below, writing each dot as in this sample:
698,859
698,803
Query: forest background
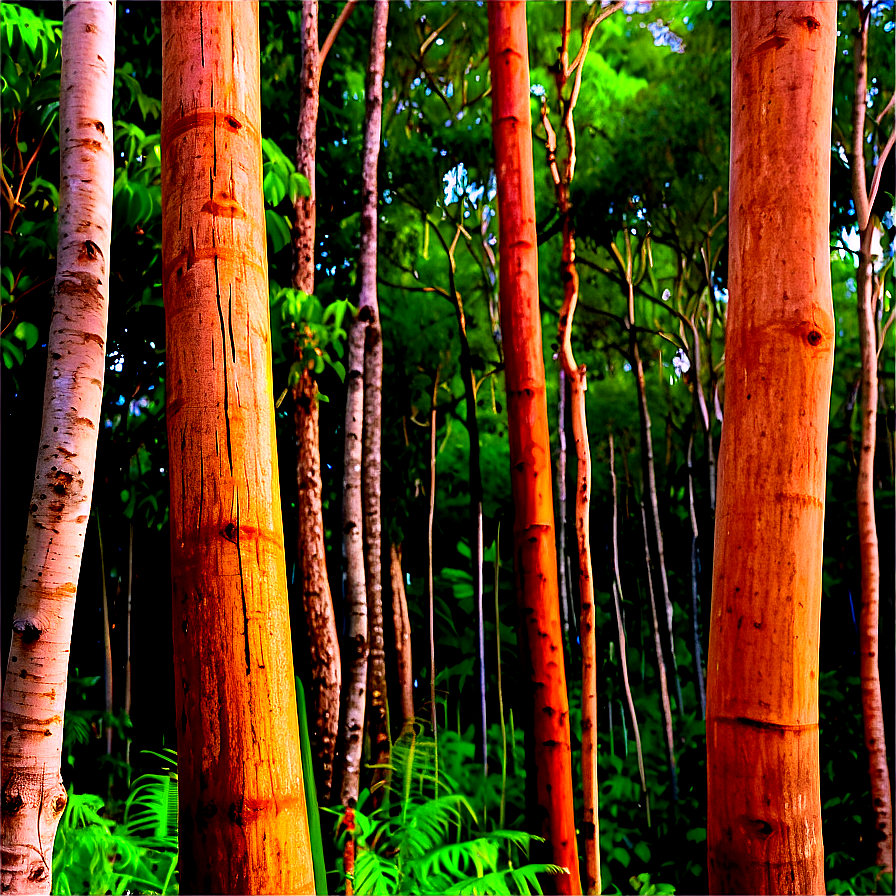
652,178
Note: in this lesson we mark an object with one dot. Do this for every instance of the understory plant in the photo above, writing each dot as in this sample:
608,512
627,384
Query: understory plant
94,854
424,837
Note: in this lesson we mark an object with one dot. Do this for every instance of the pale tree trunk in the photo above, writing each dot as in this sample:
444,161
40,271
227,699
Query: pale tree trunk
764,830
361,495
243,825
378,723
535,552
869,638
33,795
402,627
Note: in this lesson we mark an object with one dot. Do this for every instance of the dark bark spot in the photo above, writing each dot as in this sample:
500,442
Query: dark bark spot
23,673
810,23
773,43
59,802
758,827
235,815
814,338
232,122
37,872
90,251
12,803
229,532
28,629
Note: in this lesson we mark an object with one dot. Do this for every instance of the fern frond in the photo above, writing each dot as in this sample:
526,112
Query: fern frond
497,883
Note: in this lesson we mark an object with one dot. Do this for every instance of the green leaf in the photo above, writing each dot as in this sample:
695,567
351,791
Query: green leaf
12,354
642,851
298,186
278,230
621,855
28,333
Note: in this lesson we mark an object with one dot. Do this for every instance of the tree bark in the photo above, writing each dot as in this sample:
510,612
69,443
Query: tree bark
323,638
243,824
378,722
764,813
33,795
872,705
402,627
535,554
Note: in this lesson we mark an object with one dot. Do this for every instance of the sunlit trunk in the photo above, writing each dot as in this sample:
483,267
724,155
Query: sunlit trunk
243,826
764,809
535,554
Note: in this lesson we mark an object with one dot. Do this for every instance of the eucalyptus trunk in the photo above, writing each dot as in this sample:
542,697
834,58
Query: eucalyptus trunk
869,551
535,554
242,799
33,795
764,807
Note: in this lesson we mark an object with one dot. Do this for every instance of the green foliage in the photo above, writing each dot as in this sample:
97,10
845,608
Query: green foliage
405,845
93,854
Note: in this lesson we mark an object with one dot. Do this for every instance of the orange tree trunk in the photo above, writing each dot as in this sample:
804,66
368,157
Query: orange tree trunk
535,553
243,827
869,618
33,796
764,812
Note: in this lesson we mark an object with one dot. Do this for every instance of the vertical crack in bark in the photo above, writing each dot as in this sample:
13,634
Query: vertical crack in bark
224,356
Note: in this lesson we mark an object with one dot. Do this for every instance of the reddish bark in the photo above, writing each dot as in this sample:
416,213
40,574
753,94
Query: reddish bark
535,553
764,809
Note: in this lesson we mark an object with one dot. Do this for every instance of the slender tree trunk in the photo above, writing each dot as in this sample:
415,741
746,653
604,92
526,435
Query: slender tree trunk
242,800
660,664
563,580
127,667
33,795
530,453
107,649
620,629
402,627
326,672
575,375
650,482
430,589
872,706
378,723
764,812
695,593
326,661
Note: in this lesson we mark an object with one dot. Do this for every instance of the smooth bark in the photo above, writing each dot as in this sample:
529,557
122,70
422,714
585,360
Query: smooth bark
243,825
764,811
33,795
378,722
869,551
535,554
402,627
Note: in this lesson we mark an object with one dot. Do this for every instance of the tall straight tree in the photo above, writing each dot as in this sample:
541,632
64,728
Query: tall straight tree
361,521
33,795
764,809
326,671
868,297
243,825
535,554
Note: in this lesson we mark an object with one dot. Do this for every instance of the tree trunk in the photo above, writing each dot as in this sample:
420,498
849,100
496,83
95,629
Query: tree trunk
378,722
33,796
872,705
242,800
326,671
530,452
402,628
323,638
764,813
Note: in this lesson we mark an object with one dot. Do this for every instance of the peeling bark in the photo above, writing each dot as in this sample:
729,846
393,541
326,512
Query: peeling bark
402,628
